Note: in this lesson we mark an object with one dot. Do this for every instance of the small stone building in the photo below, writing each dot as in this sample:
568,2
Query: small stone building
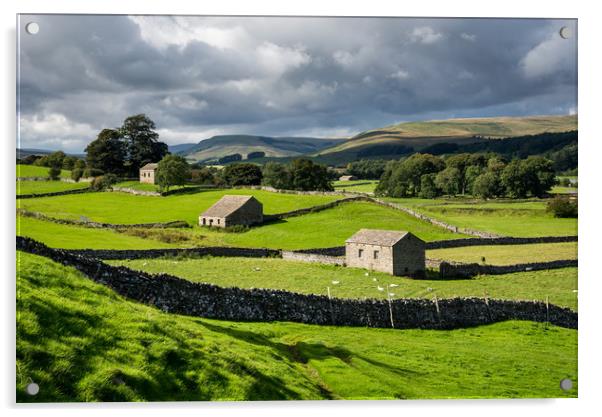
347,178
147,173
231,210
394,252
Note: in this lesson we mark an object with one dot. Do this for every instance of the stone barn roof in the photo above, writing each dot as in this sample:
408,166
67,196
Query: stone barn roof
227,205
149,167
378,237
346,178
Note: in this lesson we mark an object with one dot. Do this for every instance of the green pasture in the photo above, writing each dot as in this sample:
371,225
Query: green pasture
36,171
508,254
558,285
363,186
137,185
74,237
524,218
43,187
82,342
124,208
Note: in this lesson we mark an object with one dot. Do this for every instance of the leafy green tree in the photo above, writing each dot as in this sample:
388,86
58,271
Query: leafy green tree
563,207
368,169
54,172
142,142
428,188
449,180
204,175
242,174
277,175
69,162
514,181
308,176
80,163
487,185
172,170
403,179
107,153
472,172
539,175
76,174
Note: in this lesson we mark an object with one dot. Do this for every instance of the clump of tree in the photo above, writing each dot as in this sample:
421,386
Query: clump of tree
204,176
171,170
300,174
241,174
563,207
255,155
230,158
482,175
123,150
103,182
367,169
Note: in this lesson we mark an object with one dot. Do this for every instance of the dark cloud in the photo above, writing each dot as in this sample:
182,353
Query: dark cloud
198,76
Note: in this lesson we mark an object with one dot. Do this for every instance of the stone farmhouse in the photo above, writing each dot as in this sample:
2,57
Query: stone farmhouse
233,210
347,178
394,252
147,173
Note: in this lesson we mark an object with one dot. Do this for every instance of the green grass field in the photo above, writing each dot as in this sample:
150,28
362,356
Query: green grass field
521,218
74,237
81,342
508,254
137,185
564,190
311,278
362,186
36,171
42,187
123,208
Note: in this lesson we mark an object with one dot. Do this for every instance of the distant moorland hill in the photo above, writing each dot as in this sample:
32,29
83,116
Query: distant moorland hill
223,145
405,138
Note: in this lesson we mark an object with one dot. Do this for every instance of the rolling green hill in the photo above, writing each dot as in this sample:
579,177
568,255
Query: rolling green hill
223,145
405,138
80,341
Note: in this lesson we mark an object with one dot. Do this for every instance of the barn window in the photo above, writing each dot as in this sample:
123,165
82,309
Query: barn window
210,222
359,253
375,254
217,221
204,221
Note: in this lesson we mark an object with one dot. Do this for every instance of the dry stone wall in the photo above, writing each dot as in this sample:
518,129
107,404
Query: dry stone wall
175,295
459,270
313,258
55,193
97,225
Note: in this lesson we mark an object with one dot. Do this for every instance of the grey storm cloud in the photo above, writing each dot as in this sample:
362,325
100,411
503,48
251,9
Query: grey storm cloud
200,76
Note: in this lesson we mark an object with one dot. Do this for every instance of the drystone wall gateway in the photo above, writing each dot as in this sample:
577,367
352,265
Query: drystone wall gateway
175,295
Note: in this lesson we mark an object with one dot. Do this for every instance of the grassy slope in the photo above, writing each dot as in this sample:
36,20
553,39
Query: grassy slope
421,134
557,284
332,227
365,186
508,254
82,342
36,171
73,237
509,218
41,187
128,208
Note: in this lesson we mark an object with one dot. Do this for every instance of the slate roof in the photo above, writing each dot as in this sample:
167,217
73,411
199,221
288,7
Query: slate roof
346,178
227,205
148,167
377,237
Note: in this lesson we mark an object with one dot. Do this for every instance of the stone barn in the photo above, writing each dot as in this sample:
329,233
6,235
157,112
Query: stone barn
347,178
394,252
147,173
231,210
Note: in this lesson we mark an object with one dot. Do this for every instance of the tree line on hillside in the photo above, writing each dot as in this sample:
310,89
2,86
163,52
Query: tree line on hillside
485,176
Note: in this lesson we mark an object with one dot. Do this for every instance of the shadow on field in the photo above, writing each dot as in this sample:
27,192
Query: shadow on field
303,352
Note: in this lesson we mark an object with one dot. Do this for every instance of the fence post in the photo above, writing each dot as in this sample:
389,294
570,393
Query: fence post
390,308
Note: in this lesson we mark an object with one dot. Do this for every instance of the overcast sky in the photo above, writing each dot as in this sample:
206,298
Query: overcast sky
327,77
